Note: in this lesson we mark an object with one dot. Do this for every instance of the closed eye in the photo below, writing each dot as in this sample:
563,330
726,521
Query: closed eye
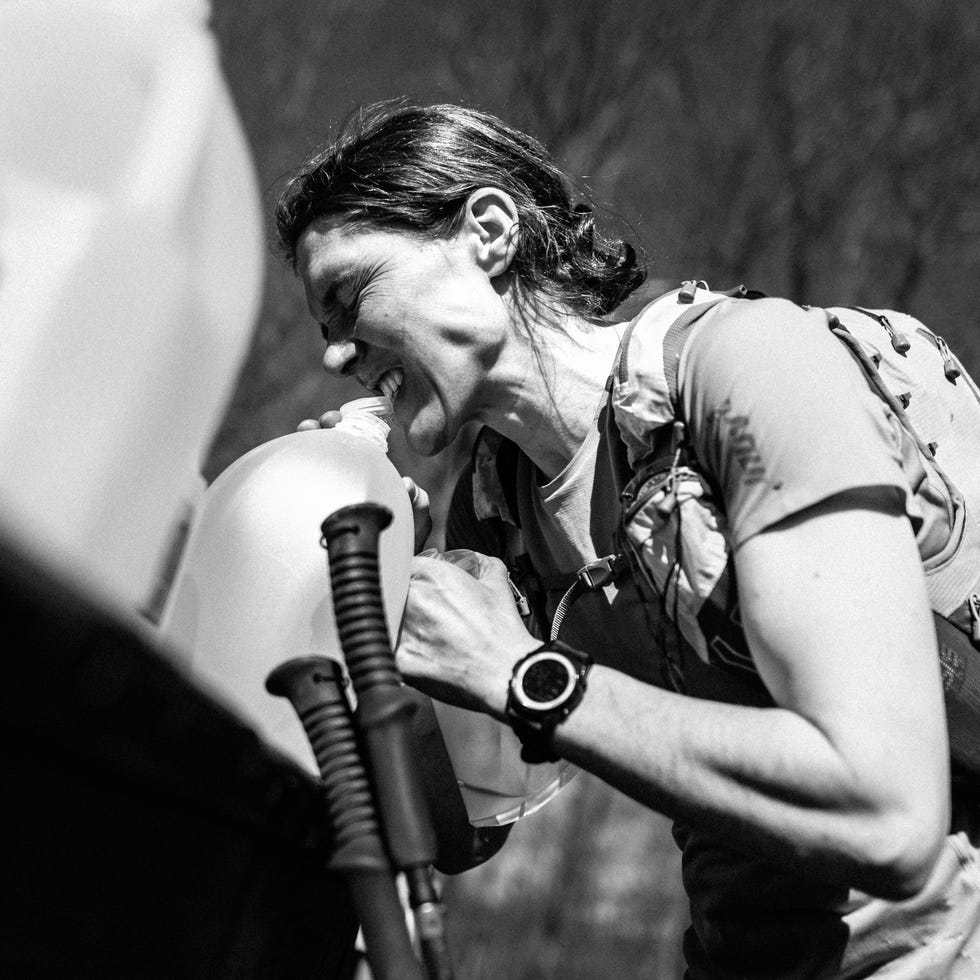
340,325
343,299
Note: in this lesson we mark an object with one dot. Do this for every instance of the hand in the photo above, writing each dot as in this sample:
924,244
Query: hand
419,498
461,633
326,421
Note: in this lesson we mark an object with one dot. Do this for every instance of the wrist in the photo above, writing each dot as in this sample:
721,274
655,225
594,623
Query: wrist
498,691
546,686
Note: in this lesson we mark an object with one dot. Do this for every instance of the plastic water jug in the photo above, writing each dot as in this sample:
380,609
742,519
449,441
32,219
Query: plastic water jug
253,590
253,587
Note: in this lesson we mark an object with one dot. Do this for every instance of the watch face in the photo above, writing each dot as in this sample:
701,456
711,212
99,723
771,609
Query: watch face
545,681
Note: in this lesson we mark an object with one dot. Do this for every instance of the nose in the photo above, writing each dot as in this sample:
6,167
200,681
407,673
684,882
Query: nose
340,355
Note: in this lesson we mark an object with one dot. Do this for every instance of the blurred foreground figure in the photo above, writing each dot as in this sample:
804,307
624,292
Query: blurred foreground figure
148,833
759,541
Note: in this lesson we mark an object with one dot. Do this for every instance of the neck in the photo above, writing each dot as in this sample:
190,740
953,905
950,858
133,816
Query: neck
549,388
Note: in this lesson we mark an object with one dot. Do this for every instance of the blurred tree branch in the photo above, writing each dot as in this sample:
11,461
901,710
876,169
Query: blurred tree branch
827,152
578,76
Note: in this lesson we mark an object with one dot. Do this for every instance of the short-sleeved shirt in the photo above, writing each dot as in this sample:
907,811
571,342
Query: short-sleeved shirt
781,418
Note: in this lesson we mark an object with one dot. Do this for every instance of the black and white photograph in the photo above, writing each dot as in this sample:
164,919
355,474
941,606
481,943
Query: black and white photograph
490,490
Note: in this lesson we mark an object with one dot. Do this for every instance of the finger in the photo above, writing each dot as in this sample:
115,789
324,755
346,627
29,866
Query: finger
329,419
493,573
411,488
426,566
307,425
465,559
438,575
491,570
418,497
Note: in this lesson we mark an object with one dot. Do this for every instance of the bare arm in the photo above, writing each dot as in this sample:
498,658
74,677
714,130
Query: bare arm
848,778
845,780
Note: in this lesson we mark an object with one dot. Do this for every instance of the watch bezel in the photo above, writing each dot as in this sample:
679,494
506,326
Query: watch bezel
544,707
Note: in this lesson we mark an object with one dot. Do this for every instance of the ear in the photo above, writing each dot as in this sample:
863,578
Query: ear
491,222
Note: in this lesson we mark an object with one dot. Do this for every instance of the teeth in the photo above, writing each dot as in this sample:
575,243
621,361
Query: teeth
391,381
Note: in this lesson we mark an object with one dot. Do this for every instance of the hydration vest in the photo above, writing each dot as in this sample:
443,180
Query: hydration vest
673,530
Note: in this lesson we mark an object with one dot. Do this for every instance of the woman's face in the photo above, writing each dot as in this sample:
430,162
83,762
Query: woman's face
415,318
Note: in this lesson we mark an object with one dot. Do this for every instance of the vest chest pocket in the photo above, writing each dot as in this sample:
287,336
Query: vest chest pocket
675,537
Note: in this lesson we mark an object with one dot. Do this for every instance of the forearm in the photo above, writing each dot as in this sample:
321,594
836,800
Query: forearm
768,781
847,780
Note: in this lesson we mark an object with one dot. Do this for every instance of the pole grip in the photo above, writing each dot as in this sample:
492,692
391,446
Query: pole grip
384,716
315,688
384,708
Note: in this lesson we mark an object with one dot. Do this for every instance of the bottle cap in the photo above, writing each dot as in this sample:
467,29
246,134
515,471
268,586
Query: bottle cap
379,405
368,417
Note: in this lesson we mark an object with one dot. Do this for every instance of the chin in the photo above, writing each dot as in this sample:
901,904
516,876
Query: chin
425,441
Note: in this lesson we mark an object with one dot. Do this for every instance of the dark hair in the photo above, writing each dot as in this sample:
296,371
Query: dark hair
413,167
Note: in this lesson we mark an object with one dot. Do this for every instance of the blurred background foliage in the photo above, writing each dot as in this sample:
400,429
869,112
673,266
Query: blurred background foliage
826,152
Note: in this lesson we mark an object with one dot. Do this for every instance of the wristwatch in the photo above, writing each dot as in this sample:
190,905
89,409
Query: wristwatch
545,687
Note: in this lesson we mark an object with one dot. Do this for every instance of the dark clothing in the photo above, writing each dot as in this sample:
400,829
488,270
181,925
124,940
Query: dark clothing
149,833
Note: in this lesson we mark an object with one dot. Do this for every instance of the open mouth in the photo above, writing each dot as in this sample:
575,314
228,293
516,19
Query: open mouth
390,382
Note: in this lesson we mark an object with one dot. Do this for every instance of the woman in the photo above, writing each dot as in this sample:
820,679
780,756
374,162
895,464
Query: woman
443,257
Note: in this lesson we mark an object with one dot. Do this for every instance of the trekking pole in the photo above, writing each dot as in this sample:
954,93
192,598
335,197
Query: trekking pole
315,687
384,717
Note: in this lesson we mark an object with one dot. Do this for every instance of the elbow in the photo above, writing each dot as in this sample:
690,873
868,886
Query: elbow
902,823
902,851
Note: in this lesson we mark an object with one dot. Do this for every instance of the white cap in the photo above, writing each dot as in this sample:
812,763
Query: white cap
368,417
376,405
